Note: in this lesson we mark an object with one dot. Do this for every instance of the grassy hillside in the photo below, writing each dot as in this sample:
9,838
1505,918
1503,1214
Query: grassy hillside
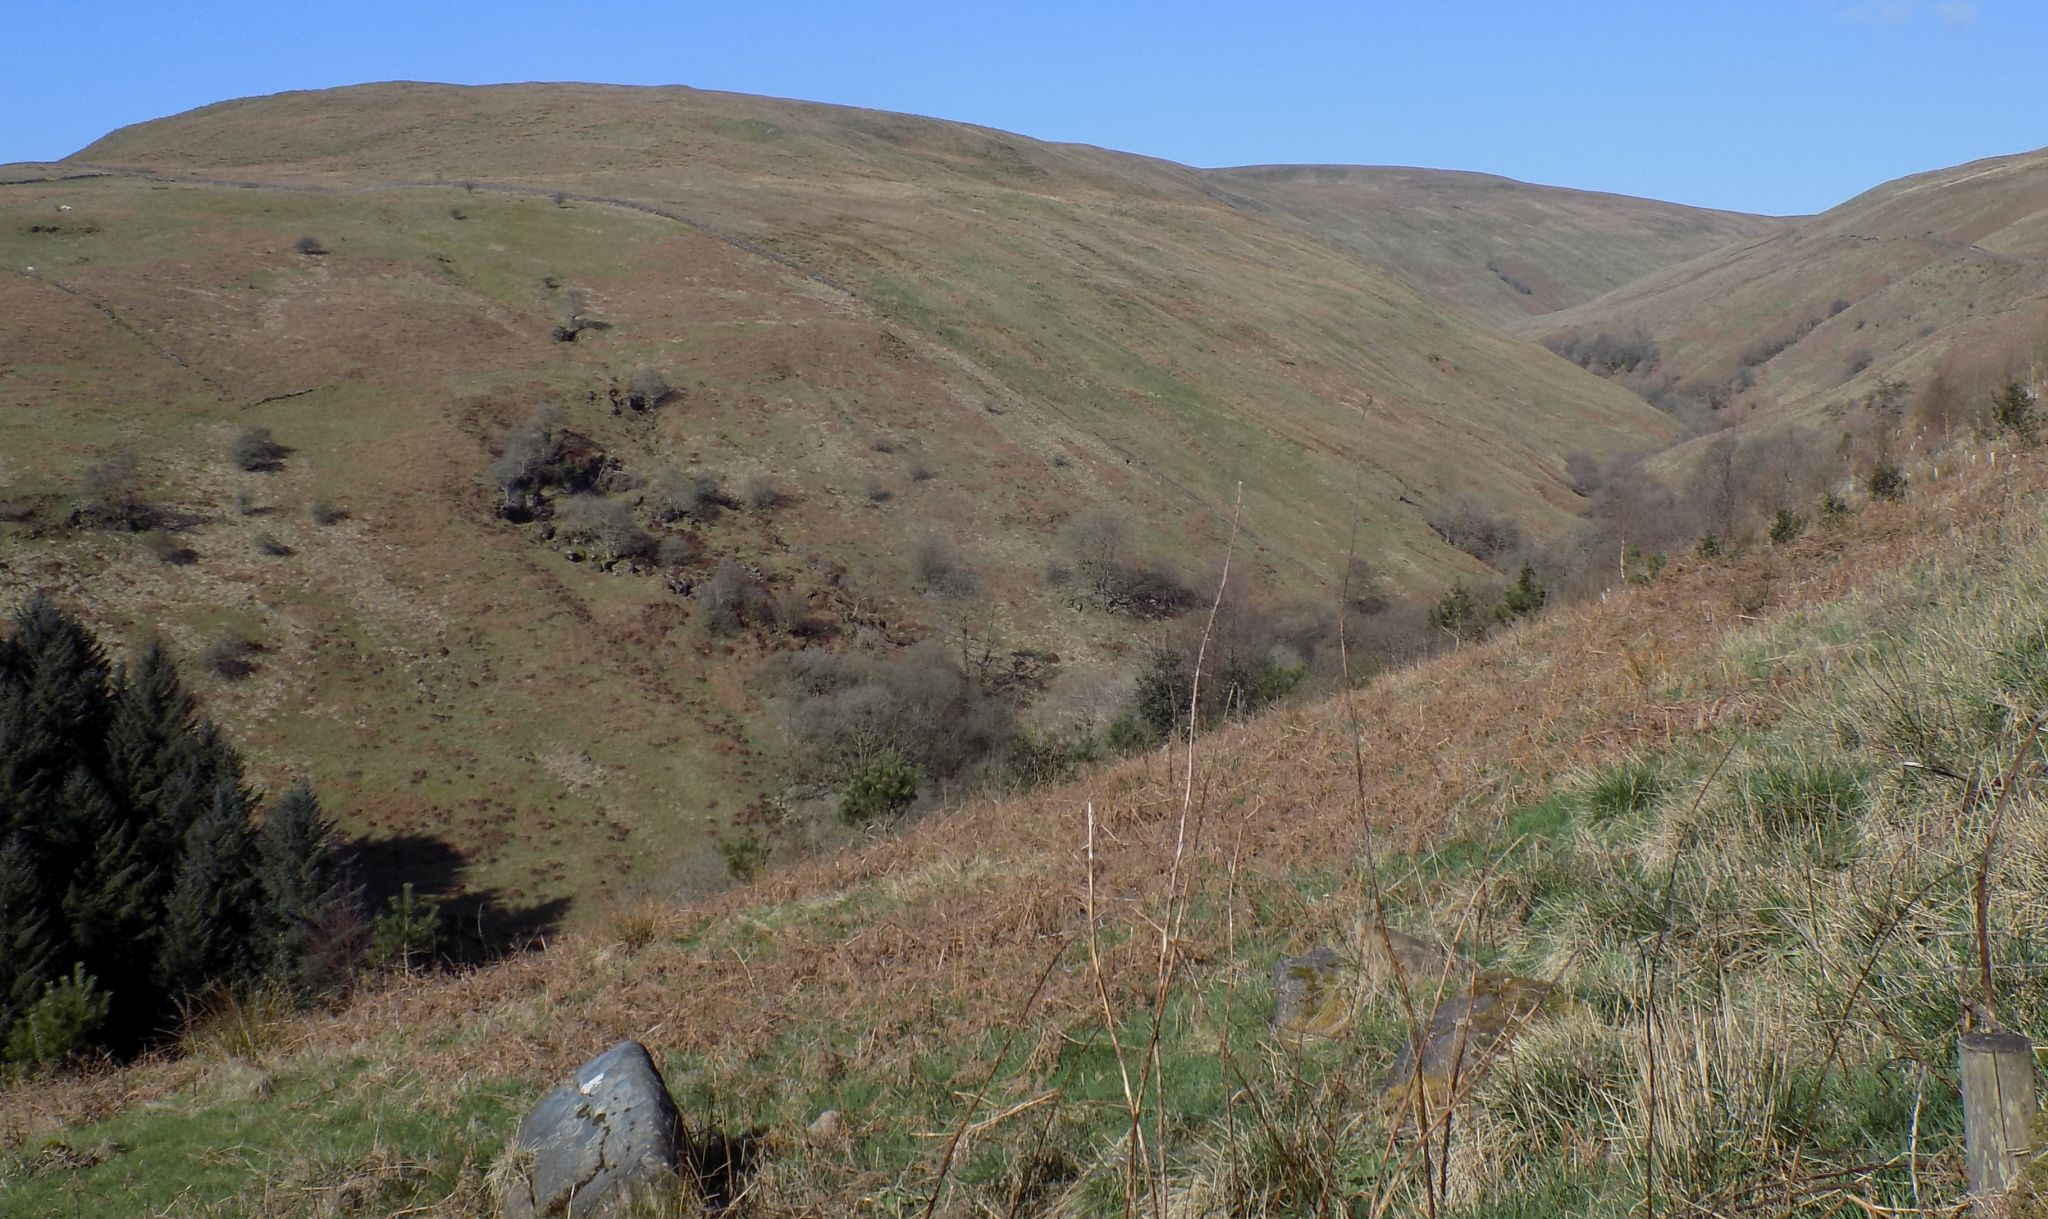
1499,249
1924,276
915,327
1683,808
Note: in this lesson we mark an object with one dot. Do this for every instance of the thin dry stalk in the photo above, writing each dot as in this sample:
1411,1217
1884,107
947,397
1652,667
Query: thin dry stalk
1983,893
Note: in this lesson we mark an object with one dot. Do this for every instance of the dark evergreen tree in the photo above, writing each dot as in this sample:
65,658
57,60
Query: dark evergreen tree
64,673
127,854
27,949
105,906
206,922
1522,599
199,763
299,881
152,713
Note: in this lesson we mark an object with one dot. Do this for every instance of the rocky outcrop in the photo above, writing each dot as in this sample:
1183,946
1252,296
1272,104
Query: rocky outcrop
592,1145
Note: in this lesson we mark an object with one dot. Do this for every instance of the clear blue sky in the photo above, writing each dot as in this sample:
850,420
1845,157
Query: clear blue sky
1763,105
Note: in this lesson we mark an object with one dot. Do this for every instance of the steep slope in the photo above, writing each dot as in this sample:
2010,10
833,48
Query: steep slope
1689,775
1499,249
1886,285
917,327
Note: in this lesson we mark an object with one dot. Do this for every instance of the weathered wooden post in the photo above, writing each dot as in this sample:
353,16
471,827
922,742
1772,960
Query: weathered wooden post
1998,1109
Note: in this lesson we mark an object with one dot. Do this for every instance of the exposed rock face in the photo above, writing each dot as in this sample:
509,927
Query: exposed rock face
610,1133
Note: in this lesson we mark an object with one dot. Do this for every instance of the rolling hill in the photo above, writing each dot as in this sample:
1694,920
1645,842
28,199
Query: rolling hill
1706,873
1943,270
1499,249
916,327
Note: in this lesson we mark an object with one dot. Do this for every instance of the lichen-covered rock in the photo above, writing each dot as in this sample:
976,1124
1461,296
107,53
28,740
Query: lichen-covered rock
1310,994
1467,1031
590,1146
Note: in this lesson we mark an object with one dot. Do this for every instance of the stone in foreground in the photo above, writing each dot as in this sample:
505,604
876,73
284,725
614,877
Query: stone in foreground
591,1146
1310,996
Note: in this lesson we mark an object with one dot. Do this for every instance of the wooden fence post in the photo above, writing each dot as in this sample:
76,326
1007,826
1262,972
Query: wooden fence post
1998,1108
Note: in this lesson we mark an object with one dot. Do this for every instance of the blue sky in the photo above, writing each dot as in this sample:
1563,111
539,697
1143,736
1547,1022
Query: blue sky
1762,105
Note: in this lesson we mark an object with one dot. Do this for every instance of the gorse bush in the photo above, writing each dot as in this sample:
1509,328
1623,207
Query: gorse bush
135,870
1785,526
884,788
2013,412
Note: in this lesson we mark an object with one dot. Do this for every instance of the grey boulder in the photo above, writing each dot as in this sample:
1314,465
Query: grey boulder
608,1136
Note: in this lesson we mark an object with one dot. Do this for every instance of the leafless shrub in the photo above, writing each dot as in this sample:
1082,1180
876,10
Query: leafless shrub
936,568
697,496
110,494
230,654
762,493
569,313
254,448
605,526
268,544
169,548
326,512
1470,526
918,472
875,491
1608,354
1095,565
677,550
647,388
1768,348
731,600
844,710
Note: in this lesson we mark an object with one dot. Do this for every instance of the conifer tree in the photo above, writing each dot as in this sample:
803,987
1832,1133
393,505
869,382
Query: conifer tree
27,956
64,673
298,880
197,765
207,915
152,713
105,905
